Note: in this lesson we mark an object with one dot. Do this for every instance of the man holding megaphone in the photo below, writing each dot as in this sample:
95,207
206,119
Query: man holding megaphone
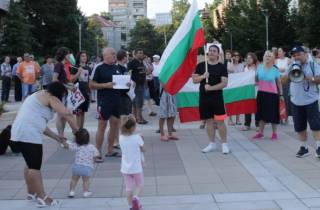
304,75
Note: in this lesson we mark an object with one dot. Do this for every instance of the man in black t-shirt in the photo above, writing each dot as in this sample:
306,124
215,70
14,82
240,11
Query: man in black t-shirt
211,104
138,75
108,101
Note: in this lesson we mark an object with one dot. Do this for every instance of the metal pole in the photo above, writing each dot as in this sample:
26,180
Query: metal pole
231,41
267,31
79,37
165,36
97,38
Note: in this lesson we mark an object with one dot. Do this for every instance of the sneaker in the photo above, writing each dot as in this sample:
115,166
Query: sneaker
136,203
318,152
258,136
209,148
303,152
71,194
87,194
274,137
225,148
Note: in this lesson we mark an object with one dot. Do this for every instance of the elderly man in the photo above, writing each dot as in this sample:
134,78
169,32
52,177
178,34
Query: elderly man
304,97
28,71
108,106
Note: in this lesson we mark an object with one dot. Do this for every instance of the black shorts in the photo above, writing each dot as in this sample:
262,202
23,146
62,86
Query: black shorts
212,109
303,114
84,107
125,105
105,111
32,154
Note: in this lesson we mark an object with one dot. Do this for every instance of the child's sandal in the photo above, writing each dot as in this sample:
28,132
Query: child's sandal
42,202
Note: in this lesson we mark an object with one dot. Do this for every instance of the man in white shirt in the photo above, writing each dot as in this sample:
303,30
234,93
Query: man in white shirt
155,73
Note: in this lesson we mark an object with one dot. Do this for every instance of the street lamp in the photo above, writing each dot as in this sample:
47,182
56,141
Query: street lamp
80,28
231,38
97,39
266,15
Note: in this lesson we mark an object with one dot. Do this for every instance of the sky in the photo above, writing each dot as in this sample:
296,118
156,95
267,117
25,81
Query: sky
89,7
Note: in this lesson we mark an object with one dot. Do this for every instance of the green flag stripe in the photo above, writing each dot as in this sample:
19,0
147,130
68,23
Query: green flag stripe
239,93
178,55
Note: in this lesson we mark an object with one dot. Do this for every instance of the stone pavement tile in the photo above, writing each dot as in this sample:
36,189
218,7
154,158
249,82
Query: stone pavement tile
243,186
210,206
312,202
314,183
205,178
174,190
107,192
251,196
13,175
175,171
108,174
292,204
11,184
252,205
209,188
146,192
307,174
169,200
174,180
298,187
106,182
270,183
8,193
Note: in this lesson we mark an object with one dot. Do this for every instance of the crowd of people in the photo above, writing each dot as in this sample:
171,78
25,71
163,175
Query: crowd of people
44,91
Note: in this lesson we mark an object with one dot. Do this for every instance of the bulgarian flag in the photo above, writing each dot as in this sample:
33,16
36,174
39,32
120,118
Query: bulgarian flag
239,97
70,62
180,56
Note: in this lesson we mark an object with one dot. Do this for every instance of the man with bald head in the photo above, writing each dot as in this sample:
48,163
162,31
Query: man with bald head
108,101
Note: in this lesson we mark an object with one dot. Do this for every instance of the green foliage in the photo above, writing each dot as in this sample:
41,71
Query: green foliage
106,15
178,11
145,37
307,22
17,38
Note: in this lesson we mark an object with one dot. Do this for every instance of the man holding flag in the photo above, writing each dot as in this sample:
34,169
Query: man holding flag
213,77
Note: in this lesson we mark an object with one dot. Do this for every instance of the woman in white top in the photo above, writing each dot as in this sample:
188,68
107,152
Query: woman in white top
283,64
235,67
252,63
28,129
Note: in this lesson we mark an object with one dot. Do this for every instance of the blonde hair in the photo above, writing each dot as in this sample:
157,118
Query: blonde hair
128,125
267,53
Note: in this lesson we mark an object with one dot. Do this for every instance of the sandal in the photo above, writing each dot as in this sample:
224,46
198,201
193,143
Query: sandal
116,146
98,159
164,138
31,197
113,154
42,202
245,128
172,137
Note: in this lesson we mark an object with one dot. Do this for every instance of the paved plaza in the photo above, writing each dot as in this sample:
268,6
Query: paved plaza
256,175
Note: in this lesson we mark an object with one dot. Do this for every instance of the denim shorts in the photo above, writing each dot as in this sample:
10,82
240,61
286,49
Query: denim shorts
81,170
306,114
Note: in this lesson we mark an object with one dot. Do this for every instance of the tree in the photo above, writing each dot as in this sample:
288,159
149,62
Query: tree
17,37
144,36
308,22
178,11
106,15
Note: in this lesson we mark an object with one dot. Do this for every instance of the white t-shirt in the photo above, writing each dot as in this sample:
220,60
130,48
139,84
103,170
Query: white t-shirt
84,154
131,154
156,70
282,64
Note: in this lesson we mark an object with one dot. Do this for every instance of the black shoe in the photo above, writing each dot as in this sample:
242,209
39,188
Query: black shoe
318,152
158,131
303,152
142,122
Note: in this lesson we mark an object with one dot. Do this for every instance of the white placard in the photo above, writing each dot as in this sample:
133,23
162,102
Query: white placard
121,81
75,98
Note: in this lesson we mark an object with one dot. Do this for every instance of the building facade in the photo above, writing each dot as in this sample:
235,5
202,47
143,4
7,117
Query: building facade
163,19
111,31
125,13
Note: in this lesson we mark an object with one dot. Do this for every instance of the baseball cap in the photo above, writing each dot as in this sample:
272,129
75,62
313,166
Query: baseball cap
297,49
156,56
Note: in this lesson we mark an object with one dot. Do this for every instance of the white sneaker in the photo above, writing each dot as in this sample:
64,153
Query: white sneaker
210,148
71,194
225,148
87,194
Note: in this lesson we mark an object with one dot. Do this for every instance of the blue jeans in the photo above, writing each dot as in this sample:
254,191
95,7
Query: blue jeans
28,89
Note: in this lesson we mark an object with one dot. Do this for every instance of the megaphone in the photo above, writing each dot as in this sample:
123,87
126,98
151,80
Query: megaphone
296,74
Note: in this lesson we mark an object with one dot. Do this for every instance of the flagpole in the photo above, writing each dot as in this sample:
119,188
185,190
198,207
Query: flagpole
206,62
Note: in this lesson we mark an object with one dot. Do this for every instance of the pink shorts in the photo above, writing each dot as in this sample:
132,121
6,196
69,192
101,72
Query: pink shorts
132,180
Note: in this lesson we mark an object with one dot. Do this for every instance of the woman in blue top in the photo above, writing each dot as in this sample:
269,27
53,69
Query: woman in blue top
269,90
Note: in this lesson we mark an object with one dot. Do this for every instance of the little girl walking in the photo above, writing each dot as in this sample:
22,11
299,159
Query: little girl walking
84,161
132,146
